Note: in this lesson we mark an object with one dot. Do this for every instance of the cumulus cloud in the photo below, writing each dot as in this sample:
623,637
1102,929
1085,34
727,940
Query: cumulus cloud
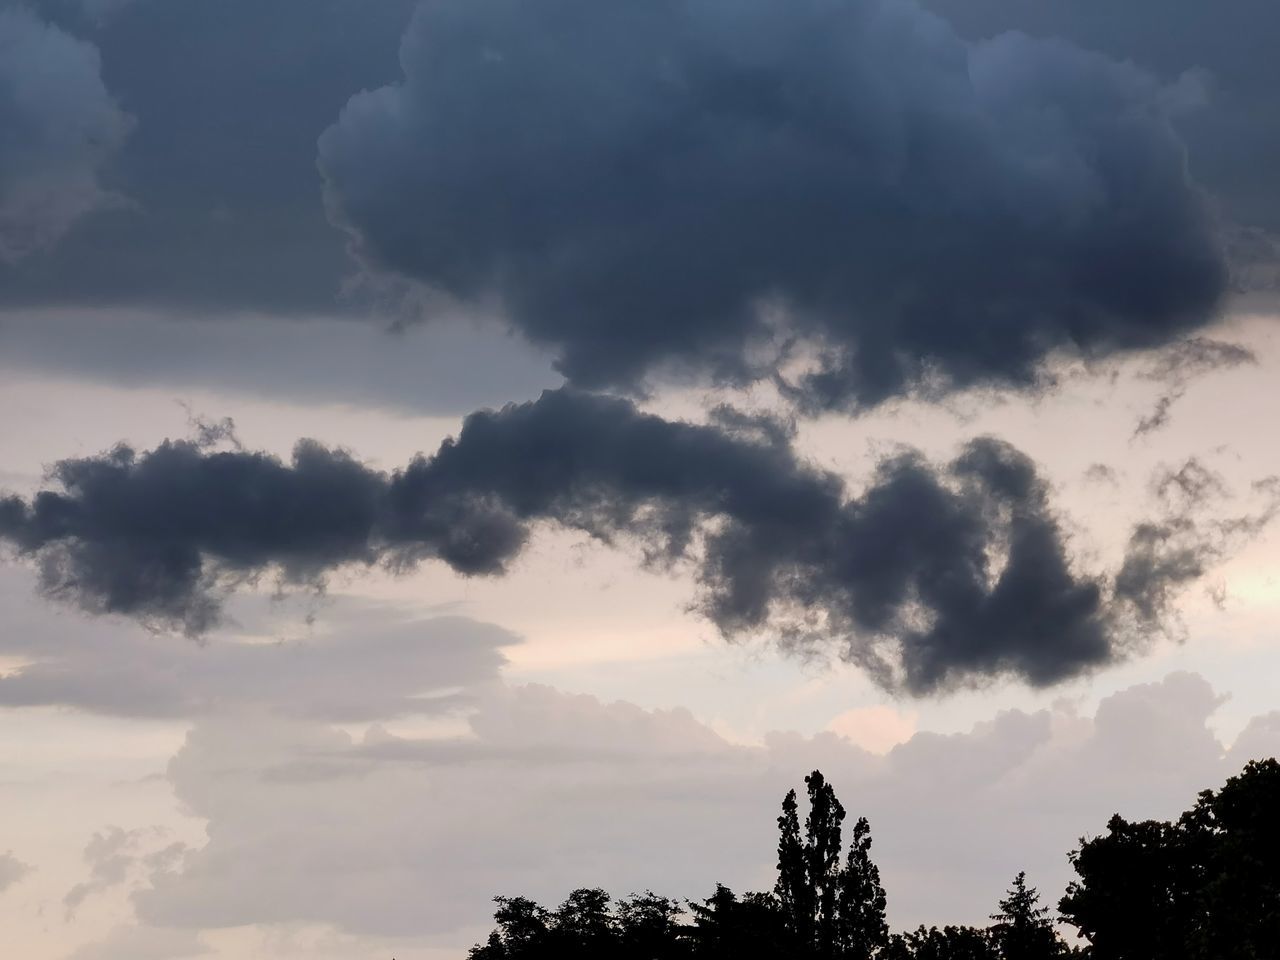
933,575
633,799
670,183
61,126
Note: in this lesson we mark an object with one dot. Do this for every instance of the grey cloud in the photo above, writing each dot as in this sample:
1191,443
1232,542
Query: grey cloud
112,855
934,575
449,367
1182,363
12,870
1234,133
953,816
225,208
1191,533
1101,473
374,670
669,184
60,126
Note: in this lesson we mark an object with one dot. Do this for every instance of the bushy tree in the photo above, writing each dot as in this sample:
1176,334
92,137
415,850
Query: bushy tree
522,929
726,927
1206,887
1237,833
1132,899
932,943
650,926
584,926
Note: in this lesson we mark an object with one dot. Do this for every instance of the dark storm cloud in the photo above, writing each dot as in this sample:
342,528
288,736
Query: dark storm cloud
647,184
933,575
1228,47
58,127
152,535
224,206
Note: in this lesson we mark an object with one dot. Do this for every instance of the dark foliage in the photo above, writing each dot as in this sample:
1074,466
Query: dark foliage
1205,887
949,943
1022,929
823,907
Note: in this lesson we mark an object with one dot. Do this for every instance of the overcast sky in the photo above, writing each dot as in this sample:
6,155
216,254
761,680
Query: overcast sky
473,447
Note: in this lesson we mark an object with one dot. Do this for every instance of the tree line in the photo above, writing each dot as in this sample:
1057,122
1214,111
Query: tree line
1205,886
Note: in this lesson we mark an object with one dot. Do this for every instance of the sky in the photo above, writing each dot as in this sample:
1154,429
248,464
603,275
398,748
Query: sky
460,448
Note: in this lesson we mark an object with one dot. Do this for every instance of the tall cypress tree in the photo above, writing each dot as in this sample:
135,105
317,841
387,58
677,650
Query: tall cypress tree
833,911
794,893
822,857
863,929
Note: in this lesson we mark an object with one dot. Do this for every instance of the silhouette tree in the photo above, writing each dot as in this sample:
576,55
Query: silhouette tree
822,860
1022,928
949,943
728,928
650,926
1204,888
583,926
862,927
1236,834
1137,897
832,912
794,892
521,933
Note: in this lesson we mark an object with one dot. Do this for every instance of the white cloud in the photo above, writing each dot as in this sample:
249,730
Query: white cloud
390,835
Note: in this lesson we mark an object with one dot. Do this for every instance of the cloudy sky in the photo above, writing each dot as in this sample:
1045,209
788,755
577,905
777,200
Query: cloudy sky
469,447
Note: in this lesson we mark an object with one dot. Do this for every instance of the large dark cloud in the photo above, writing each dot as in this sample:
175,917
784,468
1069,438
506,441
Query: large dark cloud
58,127
647,184
224,204
932,575
1234,137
